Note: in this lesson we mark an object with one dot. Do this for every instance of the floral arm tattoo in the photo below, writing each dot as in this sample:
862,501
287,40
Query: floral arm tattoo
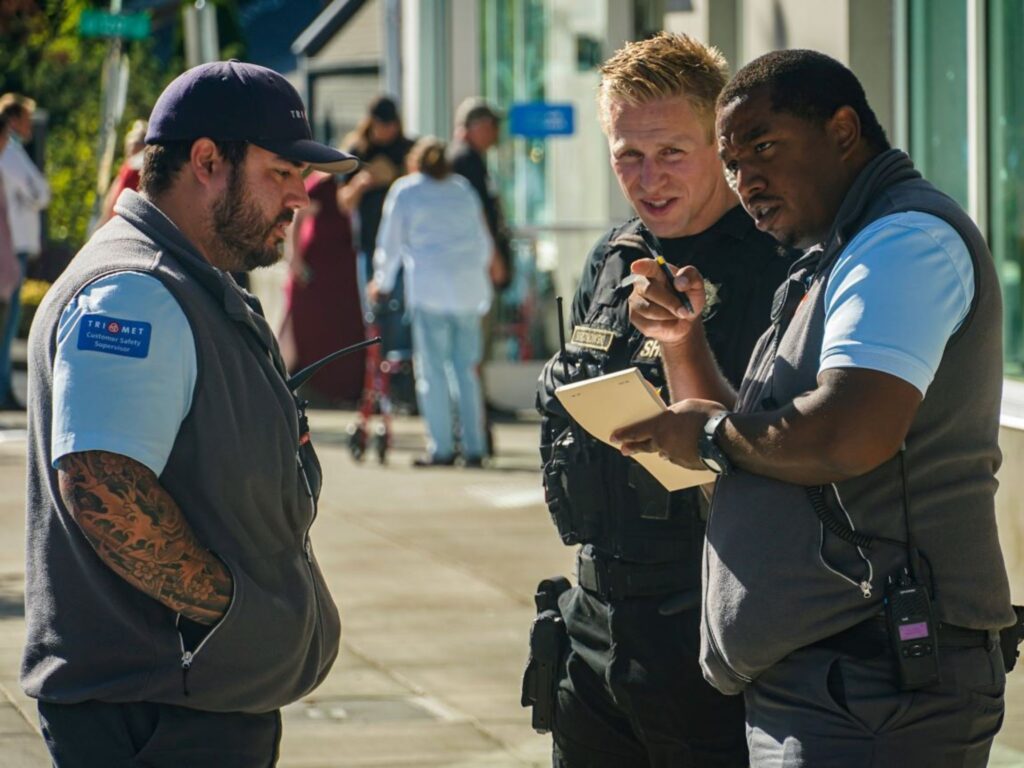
138,530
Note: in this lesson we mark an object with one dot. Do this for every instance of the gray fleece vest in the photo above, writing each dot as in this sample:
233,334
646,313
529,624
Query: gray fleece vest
775,579
233,471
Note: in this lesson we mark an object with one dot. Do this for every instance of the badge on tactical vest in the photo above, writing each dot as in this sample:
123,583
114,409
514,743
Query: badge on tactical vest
129,338
592,338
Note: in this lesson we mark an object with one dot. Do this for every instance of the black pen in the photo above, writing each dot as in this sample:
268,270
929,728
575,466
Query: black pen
671,283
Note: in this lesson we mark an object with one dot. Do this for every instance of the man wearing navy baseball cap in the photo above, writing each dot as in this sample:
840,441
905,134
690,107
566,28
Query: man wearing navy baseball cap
173,599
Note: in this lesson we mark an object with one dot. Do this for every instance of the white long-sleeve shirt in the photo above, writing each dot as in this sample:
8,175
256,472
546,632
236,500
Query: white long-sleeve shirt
435,229
27,195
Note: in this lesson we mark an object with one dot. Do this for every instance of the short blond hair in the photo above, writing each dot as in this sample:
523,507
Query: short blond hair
662,67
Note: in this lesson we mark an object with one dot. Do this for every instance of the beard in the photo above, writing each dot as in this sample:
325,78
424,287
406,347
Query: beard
241,230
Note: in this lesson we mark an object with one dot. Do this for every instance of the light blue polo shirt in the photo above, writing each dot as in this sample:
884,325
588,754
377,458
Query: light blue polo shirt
125,370
897,293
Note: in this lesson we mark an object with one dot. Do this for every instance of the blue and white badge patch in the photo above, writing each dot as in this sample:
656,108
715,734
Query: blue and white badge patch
129,338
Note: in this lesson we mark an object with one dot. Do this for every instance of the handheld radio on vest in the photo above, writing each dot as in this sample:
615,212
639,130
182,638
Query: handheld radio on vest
908,614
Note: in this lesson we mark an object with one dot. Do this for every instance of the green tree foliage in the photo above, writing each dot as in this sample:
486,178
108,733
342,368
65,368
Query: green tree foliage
42,56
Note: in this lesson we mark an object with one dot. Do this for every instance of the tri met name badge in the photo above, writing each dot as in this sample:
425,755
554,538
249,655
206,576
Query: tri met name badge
114,336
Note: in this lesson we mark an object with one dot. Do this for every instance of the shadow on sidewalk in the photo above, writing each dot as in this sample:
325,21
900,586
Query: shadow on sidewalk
12,596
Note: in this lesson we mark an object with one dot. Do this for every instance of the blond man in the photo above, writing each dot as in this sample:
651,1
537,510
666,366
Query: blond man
628,688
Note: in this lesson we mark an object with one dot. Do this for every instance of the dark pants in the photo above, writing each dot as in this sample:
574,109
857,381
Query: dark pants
96,734
818,708
633,693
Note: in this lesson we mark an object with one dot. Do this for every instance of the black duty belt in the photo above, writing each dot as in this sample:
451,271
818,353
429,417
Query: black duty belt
871,638
612,579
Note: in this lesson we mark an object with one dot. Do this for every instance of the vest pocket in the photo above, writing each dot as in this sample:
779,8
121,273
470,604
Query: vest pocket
192,636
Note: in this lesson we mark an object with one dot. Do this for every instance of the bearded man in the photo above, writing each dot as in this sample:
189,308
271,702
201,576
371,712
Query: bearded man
172,597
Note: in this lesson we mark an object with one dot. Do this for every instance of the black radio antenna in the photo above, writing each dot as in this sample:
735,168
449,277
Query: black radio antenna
561,329
306,373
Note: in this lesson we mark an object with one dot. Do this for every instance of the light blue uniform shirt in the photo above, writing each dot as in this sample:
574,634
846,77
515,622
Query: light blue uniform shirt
124,372
897,293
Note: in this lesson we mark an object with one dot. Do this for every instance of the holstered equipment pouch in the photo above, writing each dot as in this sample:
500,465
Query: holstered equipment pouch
574,486
1011,637
653,501
612,579
548,644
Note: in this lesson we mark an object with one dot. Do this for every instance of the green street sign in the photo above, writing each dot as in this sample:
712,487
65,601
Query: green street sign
133,26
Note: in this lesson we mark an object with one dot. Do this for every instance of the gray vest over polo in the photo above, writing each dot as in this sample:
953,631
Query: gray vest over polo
232,470
768,591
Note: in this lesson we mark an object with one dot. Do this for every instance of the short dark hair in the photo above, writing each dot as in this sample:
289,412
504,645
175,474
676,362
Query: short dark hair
807,84
163,161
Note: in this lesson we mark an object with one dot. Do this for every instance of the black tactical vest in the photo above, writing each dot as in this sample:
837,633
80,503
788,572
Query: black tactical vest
595,495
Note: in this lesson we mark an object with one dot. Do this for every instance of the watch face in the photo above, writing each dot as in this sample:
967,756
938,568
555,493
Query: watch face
712,456
711,464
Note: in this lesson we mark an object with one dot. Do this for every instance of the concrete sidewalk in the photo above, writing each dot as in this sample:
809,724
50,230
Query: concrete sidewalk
434,571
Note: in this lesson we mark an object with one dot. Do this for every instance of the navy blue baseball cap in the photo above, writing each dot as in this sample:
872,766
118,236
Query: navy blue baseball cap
235,101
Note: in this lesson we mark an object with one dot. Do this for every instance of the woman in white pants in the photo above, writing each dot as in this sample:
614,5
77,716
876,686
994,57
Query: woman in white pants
433,226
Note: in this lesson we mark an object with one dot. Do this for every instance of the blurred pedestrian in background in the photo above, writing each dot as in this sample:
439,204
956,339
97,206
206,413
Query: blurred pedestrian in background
477,129
9,270
379,141
128,174
434,227
322,307
28,194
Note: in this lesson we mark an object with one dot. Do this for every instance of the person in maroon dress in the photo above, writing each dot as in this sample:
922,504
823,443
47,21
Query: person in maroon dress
322,310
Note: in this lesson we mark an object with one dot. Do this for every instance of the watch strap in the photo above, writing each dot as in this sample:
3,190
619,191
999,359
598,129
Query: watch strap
712,425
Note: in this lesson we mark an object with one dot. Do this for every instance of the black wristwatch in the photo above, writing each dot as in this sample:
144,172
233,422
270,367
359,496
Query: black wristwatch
710,453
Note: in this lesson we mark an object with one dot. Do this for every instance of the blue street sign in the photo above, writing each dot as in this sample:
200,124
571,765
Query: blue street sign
537,119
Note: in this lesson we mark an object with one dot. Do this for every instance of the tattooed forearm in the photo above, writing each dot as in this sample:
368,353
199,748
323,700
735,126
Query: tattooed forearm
140,533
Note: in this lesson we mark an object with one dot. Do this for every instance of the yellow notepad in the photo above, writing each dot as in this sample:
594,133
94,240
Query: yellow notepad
603,404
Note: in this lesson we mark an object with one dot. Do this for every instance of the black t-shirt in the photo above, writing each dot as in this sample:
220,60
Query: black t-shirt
470,164
742,268
371,205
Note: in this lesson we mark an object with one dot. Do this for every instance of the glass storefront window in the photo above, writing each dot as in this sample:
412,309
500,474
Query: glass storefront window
513,53
512,58
938,93
555,189
1006,168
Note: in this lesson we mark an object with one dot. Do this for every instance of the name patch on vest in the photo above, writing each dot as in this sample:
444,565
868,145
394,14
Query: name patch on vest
129,338
592,338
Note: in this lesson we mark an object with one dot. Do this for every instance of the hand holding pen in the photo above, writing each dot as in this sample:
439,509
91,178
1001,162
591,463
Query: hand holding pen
657,307
683,298
653,245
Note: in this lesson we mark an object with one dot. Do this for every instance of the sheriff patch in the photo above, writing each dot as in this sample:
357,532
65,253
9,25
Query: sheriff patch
592,338
129,338
649,350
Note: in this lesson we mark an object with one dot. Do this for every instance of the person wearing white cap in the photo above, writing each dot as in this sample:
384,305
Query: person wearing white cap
172,599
